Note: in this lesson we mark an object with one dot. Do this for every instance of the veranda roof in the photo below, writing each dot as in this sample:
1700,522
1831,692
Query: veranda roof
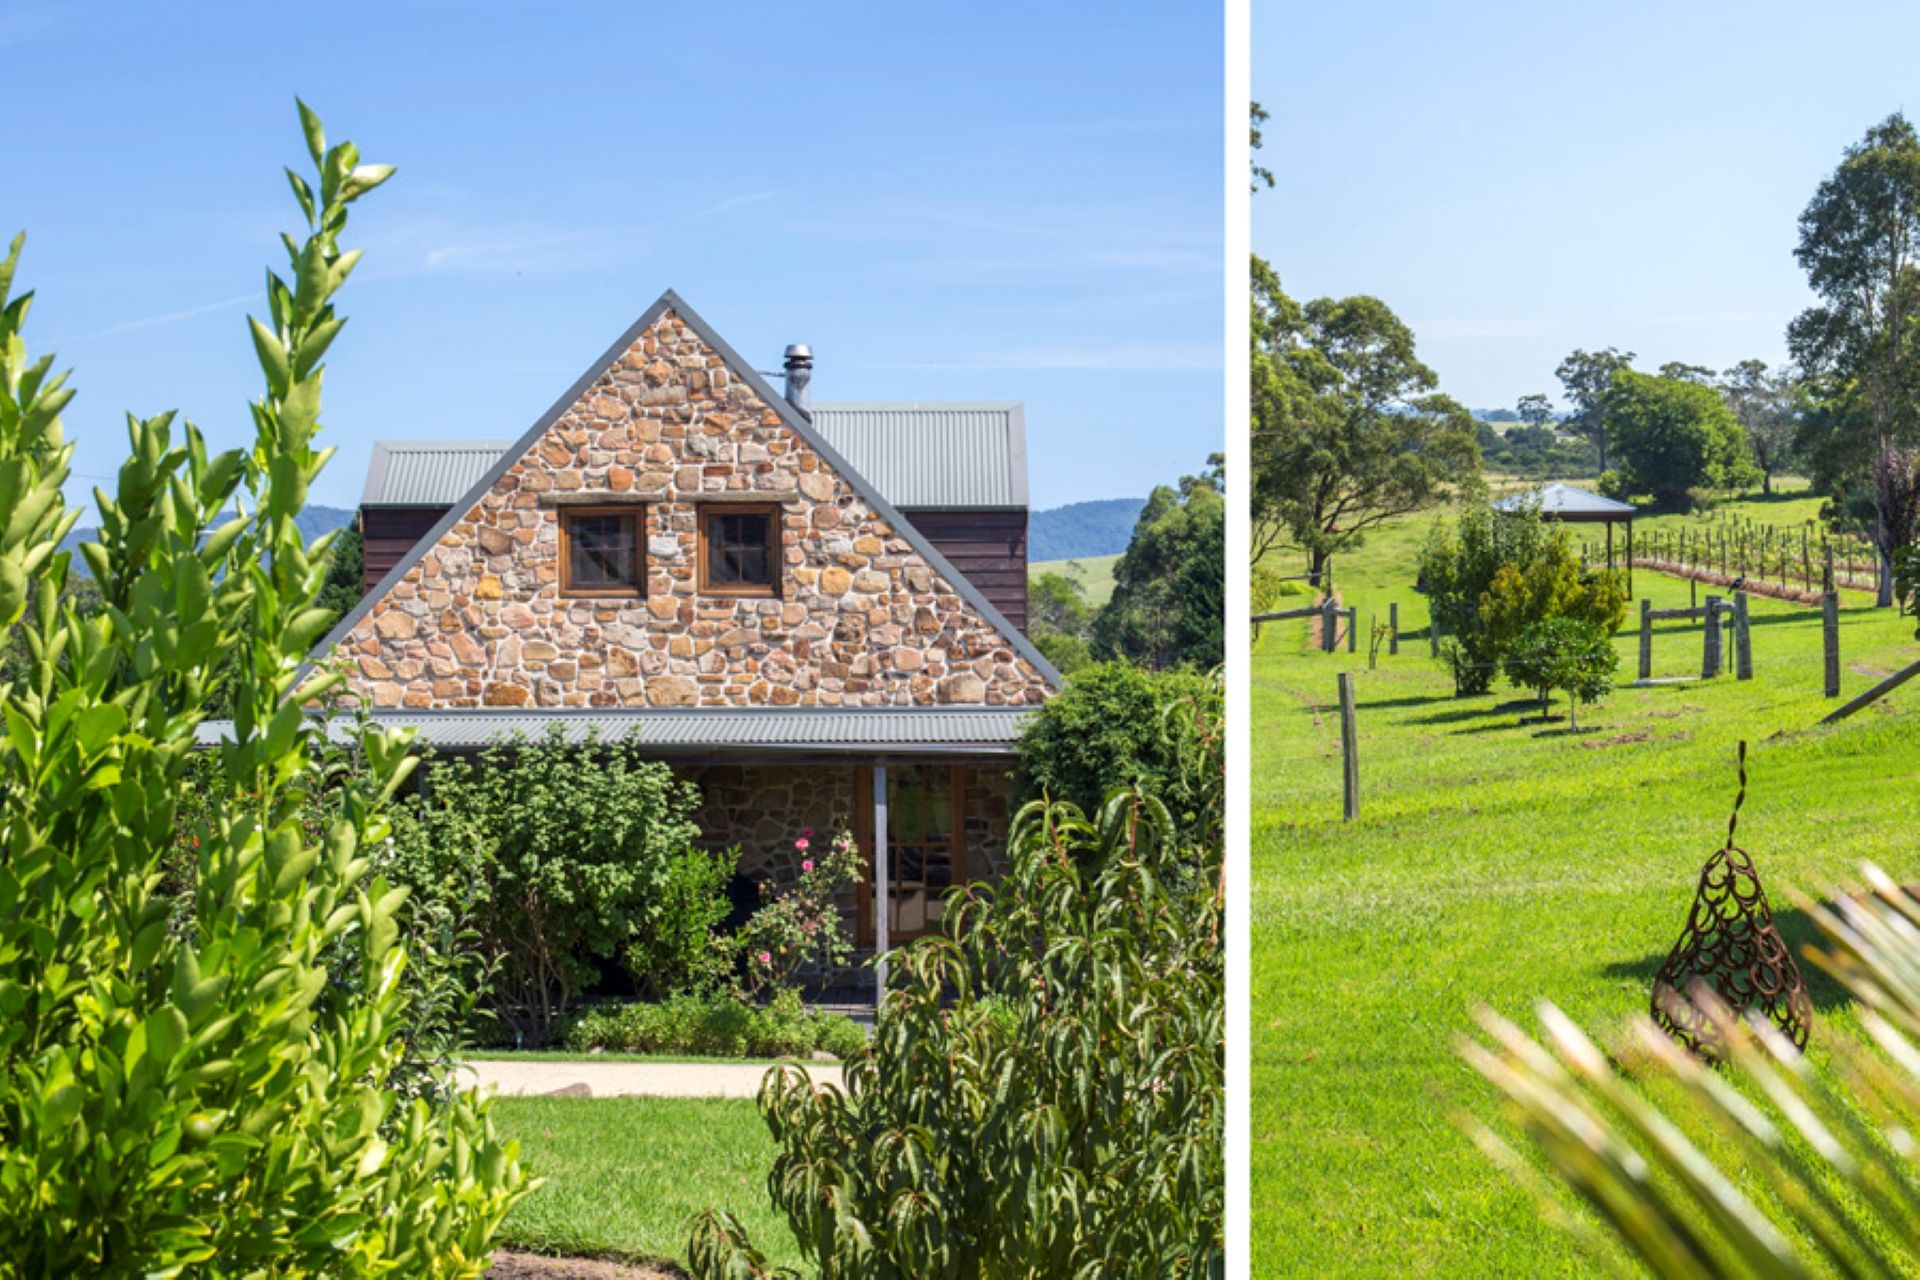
816,730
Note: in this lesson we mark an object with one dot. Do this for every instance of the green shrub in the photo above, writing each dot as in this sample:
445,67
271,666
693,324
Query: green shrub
1114,725
1567,654
564,854
205,1091
679,947
1025,1111
716,1025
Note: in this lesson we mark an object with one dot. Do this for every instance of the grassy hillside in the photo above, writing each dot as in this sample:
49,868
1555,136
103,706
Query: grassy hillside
1504,862
1095,574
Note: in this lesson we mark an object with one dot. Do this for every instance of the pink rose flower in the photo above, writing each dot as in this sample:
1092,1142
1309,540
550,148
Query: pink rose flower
801,844
807,865
766,957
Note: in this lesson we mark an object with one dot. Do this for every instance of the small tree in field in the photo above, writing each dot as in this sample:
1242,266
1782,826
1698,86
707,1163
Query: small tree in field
1568,654
1496,573
206,1091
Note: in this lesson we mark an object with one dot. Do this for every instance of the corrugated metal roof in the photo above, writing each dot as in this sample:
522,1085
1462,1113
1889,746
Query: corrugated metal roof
1565,500
984,730
427,473
915,454
923,454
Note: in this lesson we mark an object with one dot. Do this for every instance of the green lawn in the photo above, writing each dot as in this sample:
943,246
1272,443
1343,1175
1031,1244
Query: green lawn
1496,861
625,1175
1095,574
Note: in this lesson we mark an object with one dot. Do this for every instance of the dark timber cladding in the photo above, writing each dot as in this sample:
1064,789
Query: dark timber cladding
389,533
989,547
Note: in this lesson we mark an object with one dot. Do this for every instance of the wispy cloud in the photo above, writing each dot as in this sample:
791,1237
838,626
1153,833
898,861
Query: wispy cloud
1684,320
1133,357
539,251
166,318
1485,327
735,202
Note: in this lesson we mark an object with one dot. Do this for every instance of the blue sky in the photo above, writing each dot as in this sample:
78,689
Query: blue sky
1517,180
981,201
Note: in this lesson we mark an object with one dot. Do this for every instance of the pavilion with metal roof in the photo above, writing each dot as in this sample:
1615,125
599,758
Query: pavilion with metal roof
1569,504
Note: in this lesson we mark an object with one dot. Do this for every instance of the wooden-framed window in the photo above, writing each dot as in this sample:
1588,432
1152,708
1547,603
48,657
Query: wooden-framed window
603,551
740,549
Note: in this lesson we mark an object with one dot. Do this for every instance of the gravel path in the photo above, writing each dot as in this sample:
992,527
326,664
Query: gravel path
632,1079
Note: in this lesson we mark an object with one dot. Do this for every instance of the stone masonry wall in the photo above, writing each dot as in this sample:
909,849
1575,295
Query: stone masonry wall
863,620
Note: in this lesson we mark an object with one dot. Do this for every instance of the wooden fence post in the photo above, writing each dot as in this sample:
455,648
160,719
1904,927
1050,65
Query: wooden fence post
1742,639
1329,624
1393,627
1710,643
1830,639
1646,639
1349,748
1353,629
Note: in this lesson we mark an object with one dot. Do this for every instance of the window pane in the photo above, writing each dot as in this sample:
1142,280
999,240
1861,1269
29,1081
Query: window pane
921,846
739,549
601,551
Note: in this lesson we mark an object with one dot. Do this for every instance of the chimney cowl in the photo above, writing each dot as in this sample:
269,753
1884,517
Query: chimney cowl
799,369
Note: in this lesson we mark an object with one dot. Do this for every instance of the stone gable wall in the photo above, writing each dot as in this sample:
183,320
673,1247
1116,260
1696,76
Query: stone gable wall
863,619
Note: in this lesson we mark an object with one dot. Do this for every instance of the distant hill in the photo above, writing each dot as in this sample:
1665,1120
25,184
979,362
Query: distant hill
313,522
1081,529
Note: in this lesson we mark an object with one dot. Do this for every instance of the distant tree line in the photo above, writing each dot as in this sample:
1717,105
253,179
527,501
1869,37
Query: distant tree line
1168,607
1351,430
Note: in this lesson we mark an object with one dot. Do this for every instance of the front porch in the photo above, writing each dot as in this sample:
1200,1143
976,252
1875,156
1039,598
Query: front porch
926,792
924,822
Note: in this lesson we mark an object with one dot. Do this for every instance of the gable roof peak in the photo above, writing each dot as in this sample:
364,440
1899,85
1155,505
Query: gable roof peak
743,370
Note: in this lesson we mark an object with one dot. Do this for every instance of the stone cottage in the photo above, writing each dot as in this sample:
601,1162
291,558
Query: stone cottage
816,613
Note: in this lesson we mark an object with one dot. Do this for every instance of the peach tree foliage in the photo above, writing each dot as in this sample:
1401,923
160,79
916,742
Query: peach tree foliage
800,926
1043,1092
204,1100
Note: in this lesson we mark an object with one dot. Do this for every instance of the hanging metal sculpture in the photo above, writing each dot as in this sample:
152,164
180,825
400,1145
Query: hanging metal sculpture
1730,947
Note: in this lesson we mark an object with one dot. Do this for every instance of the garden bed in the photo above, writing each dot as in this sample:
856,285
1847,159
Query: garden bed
510,1264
